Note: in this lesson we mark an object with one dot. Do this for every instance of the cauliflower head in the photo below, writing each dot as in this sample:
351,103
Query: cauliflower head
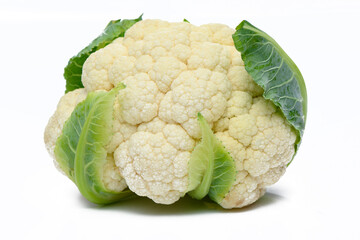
172,72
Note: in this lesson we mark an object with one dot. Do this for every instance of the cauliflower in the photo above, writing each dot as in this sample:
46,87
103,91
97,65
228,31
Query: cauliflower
191,109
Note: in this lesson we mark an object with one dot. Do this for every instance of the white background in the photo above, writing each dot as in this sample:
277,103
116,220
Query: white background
318,197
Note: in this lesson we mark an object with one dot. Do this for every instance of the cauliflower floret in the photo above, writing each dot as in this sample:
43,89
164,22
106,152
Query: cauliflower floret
121,132
243,128
95,75
172,72
166,69
195,91
63,111
140,99
211,56
268,142
111,176
154,164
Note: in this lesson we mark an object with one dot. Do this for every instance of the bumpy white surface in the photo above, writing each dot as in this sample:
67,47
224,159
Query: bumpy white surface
111,176
154,161
173,71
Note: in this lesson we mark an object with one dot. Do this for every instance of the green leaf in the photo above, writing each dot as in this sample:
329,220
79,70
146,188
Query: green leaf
272,69
185,20
211,168
224,174
113,30
80,150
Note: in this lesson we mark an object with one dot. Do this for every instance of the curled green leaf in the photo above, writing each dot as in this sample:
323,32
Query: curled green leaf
80,150
211,168
273,70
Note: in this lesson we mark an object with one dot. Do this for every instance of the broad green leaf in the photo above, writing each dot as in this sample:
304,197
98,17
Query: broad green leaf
113,30
80,150
185,20
211,168
273,70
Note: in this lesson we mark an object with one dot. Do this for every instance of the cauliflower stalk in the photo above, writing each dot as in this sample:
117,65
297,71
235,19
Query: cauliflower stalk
206,110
